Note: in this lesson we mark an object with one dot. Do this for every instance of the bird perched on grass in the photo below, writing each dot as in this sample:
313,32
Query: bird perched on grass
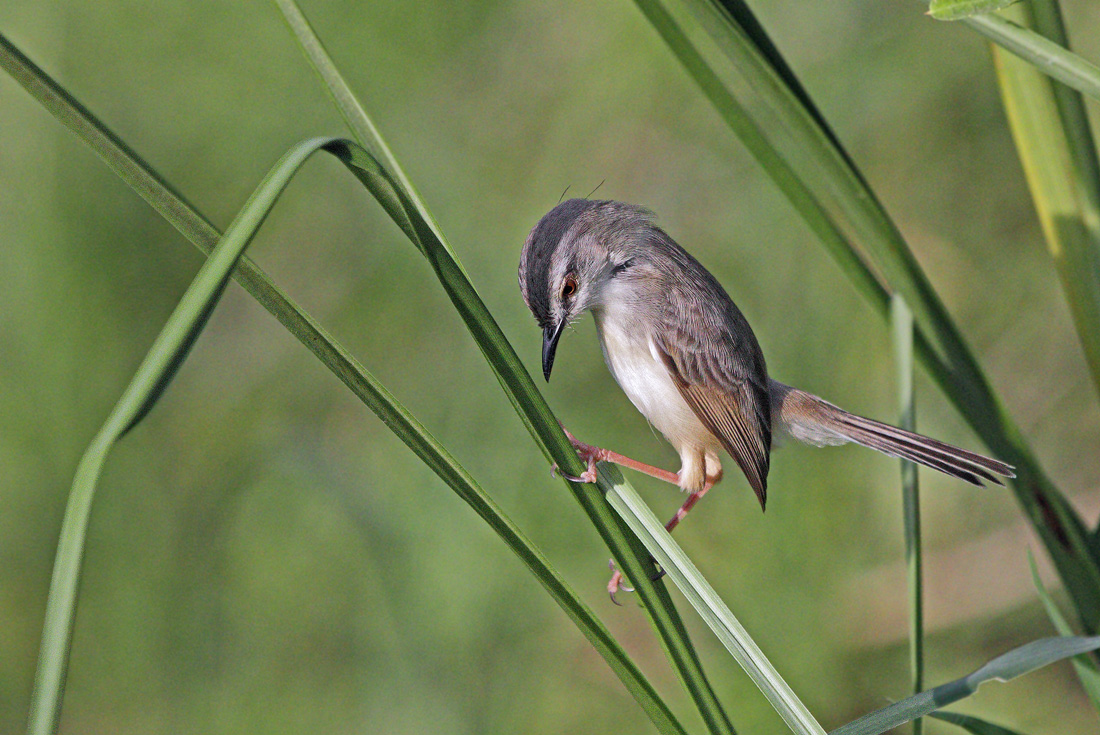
686,357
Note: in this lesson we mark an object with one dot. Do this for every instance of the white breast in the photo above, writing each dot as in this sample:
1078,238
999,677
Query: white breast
637,367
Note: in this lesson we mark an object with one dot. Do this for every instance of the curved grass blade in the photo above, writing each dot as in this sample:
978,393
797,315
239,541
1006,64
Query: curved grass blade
902,321
635,560
355,117
196,228
735,71
320,58
1088,672
631,555
521,391
959,9
972,724
1017,662
1046,55
152,376
1056,146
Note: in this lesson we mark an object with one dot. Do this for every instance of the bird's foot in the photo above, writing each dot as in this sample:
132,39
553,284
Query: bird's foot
588,476
615,584
591,455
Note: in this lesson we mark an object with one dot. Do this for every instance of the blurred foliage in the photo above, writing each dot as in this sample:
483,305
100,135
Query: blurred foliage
265,556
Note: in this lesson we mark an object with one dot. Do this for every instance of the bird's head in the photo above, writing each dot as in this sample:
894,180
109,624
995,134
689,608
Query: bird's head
572,256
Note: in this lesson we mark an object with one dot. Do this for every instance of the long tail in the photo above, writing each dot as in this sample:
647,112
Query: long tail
815,421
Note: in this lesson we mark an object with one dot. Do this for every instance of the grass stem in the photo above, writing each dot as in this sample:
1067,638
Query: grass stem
902,322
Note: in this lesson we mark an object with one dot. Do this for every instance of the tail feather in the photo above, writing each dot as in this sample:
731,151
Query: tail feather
816,421
916,448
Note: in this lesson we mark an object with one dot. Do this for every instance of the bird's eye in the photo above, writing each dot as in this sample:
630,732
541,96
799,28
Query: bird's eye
569,287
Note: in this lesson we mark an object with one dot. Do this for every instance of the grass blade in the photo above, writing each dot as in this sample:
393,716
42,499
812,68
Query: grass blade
733,67
389,194
355,117
1017,662
902,320
1046,55
632,556
196,228
972,724
1052,134
706,601
152,376
517,385
958,9
1088,672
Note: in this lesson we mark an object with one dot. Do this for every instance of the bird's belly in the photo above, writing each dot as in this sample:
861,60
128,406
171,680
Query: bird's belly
638,370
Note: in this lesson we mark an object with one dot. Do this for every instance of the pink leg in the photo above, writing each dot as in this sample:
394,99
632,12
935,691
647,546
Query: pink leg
692,499
592,455
615,584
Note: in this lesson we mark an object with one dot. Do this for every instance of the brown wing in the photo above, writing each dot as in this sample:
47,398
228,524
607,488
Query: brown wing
717,365
733,416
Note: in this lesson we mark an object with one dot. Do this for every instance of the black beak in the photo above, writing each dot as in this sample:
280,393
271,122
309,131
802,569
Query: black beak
550,337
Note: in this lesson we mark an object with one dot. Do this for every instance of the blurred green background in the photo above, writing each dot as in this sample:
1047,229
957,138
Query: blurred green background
264,556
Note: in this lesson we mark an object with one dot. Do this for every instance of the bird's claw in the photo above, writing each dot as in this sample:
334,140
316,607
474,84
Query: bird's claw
615,584
588,476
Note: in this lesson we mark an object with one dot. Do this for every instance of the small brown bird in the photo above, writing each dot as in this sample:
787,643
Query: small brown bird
683,353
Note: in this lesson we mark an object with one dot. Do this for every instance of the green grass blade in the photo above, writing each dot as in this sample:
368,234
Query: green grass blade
196,228
902,320
972,724
782,131
1017,662
705,62
152,376
355,117
631,555
1088,672
959,9
1046,55
388,193
517,384
703,598
1052,134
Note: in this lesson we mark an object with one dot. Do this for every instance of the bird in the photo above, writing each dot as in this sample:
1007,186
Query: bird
686,357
